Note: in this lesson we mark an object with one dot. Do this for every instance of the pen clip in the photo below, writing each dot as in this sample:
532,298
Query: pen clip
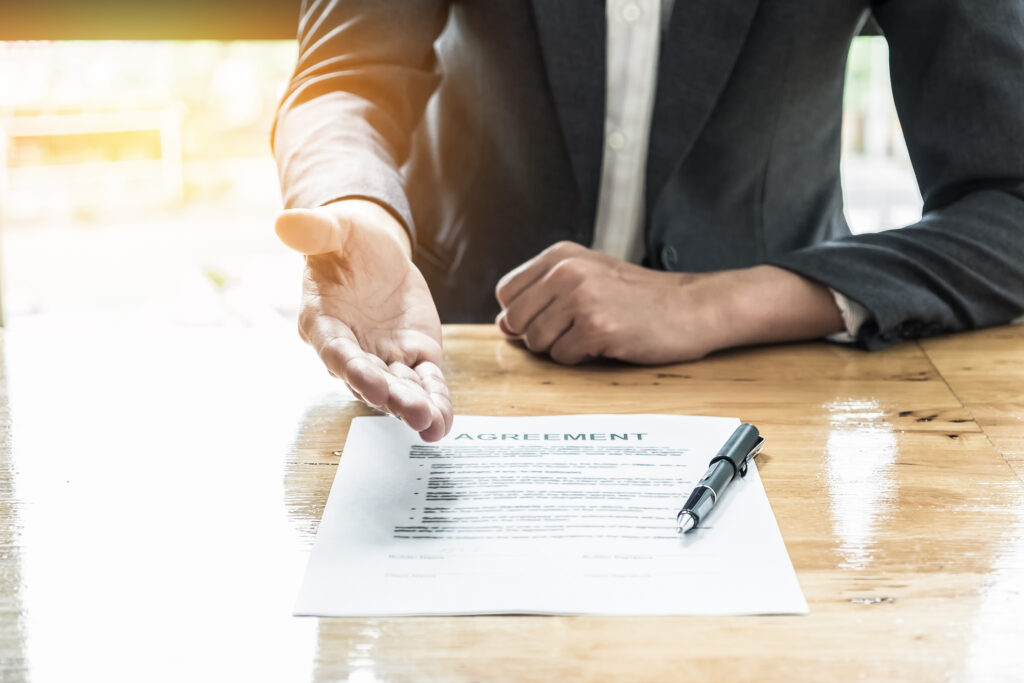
758,445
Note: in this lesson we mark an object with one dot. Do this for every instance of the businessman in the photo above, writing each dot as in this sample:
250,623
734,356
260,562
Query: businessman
634,179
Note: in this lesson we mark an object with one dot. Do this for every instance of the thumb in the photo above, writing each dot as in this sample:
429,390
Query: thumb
310,231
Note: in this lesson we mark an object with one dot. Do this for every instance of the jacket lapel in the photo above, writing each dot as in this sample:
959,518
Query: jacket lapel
572,36
700,47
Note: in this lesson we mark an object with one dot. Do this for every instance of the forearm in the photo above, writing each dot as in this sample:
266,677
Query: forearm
327,149
763,305
574,303
364,74
958,268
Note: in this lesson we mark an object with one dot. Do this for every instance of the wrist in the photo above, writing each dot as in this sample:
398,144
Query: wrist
763,305
357,211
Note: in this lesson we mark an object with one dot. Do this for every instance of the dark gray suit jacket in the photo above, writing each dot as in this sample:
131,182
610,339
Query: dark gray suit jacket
480,125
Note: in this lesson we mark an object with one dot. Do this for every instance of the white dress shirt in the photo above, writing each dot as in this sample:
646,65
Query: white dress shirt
633,40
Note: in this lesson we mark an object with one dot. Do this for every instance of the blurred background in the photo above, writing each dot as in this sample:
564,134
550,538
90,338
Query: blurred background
137,179
137,184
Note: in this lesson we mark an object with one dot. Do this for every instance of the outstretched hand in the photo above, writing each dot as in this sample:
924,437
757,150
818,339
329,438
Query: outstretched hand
367,311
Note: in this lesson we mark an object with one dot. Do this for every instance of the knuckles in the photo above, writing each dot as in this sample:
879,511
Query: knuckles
568,272
564,249
565,263
585,296
578,279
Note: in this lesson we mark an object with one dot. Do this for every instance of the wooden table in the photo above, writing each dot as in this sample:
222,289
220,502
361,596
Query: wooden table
160,490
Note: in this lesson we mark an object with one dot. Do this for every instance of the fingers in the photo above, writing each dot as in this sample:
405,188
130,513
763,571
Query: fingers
523,301
344,358
409,402
556,303
571,347
420,397
311,231
434,384
542,311
517,317
549,325
329,228
518,279
417,397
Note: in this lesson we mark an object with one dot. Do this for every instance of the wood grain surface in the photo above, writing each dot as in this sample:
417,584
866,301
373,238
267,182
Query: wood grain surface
985,371
160,490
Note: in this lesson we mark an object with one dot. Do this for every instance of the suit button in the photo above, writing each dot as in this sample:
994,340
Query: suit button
669,257
617,140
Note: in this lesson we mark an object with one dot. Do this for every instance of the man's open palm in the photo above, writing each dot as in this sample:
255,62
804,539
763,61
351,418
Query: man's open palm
367,311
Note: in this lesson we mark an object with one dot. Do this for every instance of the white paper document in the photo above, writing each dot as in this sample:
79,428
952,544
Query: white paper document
570,514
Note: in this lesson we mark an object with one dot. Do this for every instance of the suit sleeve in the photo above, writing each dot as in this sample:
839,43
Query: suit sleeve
365,71
957,73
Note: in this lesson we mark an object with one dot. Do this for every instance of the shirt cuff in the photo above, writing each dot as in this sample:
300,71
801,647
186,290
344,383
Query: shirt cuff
853,315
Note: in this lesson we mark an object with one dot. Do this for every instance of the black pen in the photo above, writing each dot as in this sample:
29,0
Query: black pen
731,459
